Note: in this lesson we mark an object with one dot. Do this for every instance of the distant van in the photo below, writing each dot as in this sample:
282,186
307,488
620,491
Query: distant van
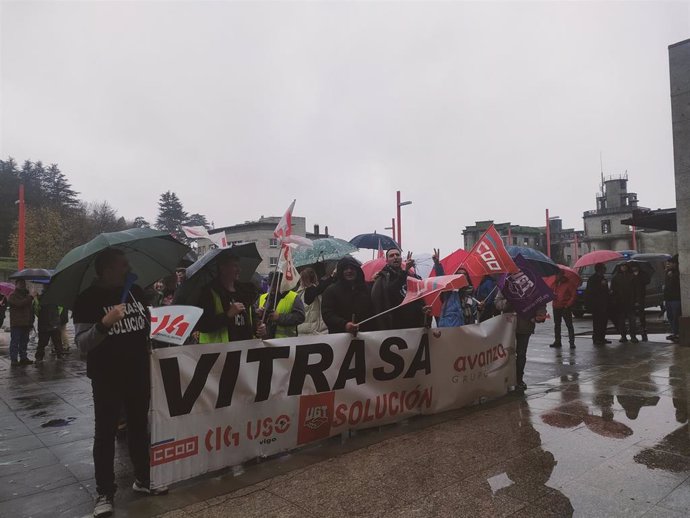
655,288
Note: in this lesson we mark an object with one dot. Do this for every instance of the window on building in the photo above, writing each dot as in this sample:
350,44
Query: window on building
569,258
525,242
515,240
273,243
605,226
273,262
537,242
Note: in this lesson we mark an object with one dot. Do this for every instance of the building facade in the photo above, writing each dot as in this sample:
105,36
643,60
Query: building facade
604,227
261,233
563,241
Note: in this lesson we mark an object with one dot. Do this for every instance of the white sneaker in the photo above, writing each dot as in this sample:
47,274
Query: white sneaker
146,489
104,506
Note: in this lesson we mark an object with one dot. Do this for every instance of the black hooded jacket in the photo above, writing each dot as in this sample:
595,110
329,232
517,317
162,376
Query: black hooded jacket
388,292
344,299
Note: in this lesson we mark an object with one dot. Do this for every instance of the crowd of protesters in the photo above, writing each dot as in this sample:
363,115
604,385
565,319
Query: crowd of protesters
335,302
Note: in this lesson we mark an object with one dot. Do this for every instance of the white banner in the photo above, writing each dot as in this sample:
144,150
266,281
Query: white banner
218,405
173,324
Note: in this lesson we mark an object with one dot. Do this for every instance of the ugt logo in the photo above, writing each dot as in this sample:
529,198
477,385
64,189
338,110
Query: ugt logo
315,417
177,327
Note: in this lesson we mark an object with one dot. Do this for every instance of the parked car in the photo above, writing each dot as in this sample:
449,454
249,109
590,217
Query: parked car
655,288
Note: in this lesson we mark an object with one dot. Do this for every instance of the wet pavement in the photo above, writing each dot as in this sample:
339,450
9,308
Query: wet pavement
600,432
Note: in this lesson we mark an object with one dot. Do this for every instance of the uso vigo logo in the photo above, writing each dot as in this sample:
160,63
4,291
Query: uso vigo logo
171,450
315,417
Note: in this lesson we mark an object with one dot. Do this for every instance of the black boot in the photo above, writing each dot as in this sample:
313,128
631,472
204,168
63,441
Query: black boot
556,345
644,337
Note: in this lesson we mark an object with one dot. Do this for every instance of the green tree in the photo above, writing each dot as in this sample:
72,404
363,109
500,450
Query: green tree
171,215
58,190
197,220
9,194
140,222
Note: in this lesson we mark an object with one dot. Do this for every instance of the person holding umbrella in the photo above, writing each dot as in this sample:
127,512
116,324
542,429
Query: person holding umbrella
112,327
21,322
564,293
623,293
229,314
597,300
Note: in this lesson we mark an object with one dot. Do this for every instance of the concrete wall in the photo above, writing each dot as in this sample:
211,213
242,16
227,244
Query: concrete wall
661,242
593,225
679,67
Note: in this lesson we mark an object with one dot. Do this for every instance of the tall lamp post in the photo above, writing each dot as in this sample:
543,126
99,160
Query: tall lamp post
397,207
391,228
22,228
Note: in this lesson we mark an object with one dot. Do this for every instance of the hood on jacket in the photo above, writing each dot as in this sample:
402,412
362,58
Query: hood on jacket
349,261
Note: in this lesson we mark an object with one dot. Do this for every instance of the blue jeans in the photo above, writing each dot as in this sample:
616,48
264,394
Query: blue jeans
19,339
673,312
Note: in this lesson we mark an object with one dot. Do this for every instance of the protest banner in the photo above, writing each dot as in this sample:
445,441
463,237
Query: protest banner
218,405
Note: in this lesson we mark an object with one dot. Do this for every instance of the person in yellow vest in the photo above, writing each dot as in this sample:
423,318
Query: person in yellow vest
285,312
228,306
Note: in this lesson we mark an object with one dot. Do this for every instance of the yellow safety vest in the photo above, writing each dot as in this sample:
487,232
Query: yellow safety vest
284,308
221,335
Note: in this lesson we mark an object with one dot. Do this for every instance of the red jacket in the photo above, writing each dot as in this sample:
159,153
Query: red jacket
565,294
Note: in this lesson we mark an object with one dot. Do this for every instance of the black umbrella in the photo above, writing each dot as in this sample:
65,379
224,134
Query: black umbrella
205,270
32,274
644,266
372,241
540,263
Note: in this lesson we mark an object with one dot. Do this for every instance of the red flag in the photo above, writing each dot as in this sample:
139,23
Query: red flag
420,288
380,254
489,256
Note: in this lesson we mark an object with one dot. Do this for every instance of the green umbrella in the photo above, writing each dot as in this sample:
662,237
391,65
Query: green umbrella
326,249
152,255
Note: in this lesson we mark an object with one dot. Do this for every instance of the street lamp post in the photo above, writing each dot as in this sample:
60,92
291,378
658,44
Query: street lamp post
397,207
392,228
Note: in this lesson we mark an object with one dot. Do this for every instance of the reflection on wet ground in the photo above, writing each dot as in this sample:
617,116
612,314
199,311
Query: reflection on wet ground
600,432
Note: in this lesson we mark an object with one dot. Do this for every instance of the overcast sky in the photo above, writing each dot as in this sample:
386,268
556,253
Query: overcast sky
473,110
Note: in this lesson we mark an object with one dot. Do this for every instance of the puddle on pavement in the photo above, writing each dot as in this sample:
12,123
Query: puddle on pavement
53,423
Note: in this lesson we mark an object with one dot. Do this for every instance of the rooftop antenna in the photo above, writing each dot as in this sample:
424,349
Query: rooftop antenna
601,164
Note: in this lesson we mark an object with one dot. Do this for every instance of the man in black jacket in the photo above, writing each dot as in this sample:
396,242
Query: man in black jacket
389,291
115,337
597,299
49,328
623,294
348,301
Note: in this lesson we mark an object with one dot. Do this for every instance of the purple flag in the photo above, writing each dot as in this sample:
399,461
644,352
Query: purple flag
525,290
